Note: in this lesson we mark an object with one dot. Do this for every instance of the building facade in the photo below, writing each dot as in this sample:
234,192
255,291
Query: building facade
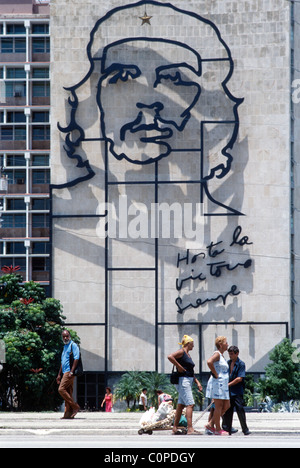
171,172
173,202
25,138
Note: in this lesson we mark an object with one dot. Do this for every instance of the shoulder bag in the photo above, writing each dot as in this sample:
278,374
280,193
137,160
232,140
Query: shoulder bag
174,376
79,368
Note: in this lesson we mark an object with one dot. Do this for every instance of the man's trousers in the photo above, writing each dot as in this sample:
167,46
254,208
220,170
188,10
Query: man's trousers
66,392
236,402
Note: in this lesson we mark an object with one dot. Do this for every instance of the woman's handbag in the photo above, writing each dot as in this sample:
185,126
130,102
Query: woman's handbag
174,377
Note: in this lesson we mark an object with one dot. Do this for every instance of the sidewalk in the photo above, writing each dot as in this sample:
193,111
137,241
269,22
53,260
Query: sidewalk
119,424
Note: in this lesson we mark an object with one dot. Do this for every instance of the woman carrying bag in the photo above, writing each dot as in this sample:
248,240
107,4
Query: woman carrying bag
184,364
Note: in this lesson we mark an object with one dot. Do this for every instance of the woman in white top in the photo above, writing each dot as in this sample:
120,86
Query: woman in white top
217,387
143,400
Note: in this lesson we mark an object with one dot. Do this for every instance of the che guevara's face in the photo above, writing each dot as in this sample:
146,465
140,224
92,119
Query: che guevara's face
144,106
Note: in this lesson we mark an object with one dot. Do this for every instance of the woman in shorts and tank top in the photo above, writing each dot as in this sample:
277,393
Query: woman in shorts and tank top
182,360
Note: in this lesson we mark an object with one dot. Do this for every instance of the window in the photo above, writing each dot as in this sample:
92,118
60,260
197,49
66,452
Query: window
15,160
16,176
14,220
40,73
15,29
15,248
20,133
15,89
16,117
6,133
41,133
40,220
16,204
12,133
40,29
40,160
15,73
90,390
40,116
13,46
41,177
41,45
40,204
41,89
40,264
40,248
20,46
8,261
7,46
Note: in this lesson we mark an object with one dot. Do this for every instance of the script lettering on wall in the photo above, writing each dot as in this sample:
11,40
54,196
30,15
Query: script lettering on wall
200,269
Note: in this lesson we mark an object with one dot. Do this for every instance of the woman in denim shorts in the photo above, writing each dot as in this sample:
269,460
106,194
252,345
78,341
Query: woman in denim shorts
182,360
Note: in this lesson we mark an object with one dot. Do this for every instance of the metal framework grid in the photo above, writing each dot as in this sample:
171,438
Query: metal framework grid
201,181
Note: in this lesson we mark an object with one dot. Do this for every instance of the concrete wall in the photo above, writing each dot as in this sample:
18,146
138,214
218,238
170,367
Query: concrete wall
233,275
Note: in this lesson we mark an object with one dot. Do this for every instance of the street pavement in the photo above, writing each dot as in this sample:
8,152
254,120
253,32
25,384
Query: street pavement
120,431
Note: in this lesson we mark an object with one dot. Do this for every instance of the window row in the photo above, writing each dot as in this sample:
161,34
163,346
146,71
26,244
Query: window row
19,160
20,117
38,264
18,176
13,45
19,28
15,248
17,89
17,133
19,221
35,73
36,204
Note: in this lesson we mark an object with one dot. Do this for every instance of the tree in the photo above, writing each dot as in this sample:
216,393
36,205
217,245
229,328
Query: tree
30,327
282,379
154,381
130,387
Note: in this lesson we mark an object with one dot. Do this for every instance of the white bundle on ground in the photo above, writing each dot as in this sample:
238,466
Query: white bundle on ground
151,416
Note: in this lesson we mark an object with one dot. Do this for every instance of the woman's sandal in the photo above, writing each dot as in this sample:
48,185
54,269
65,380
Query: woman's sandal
209,429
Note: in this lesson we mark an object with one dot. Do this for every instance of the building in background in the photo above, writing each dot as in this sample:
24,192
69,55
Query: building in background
179,102
25,137
224,71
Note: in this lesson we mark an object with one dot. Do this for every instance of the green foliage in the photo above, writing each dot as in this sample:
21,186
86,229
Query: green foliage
282,379
130,387
249,390
154,381
33,290
131,384
12,290
31,327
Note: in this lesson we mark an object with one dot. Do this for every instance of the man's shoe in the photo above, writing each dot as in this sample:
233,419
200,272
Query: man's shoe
233,430
247,432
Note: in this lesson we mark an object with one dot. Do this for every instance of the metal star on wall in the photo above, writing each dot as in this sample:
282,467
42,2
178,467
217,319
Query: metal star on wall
145,19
